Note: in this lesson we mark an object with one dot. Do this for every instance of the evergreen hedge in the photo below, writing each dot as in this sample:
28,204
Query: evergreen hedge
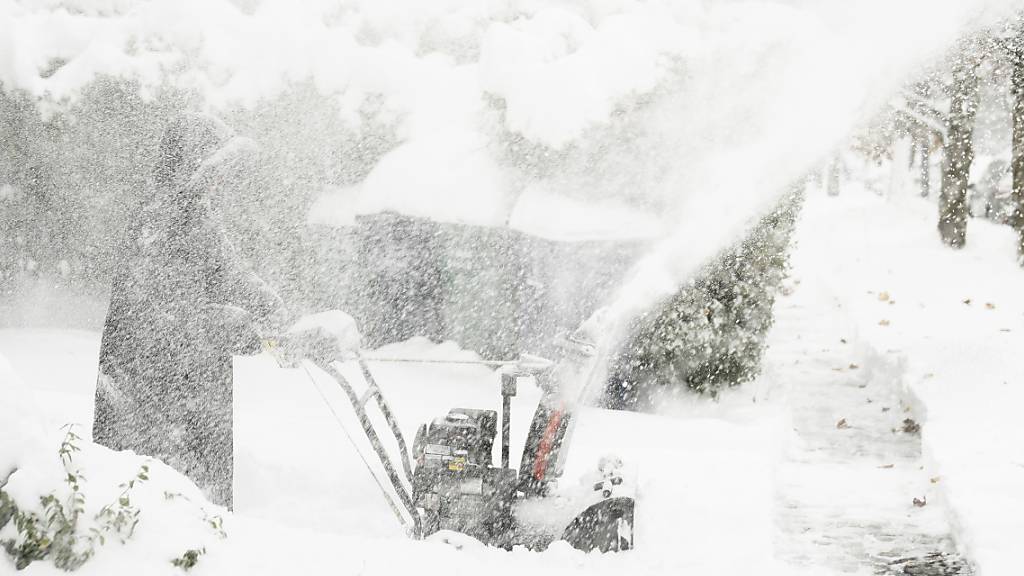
711,333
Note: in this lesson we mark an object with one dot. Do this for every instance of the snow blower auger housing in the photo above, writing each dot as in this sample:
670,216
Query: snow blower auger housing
451,483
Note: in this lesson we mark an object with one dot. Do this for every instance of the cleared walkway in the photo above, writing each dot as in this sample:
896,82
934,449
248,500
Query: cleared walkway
853,494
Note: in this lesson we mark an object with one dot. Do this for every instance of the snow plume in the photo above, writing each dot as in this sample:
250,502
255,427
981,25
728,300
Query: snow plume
766,103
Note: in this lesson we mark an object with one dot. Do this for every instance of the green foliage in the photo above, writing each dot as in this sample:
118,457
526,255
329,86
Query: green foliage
188,559
711,333
7,509
56,534
34,544
216,523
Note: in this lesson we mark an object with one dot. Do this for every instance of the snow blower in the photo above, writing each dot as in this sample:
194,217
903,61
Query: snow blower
450,482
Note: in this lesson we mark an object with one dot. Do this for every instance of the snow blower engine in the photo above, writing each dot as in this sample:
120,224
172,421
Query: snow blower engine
455,481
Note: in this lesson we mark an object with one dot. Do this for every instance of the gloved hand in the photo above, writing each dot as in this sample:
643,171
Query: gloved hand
323,337
228,328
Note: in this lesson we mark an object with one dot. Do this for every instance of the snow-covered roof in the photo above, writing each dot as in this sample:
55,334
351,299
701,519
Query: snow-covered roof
537,211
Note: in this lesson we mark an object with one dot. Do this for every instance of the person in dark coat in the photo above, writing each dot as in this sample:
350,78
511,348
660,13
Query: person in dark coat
182,303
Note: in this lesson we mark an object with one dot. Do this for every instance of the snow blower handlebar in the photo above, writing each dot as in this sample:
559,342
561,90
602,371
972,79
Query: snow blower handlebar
373,392
289,353
526,363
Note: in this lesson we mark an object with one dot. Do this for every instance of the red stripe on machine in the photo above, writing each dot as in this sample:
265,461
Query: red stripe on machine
546,443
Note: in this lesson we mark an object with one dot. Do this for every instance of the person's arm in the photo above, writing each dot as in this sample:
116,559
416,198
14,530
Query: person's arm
237,284
237,298
229,328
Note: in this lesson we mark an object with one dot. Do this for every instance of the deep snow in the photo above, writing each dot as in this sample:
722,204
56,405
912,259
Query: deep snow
755,481
306,504
711,477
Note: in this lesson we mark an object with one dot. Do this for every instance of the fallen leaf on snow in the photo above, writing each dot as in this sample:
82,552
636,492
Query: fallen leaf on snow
935,479
842,424
853,366
883,296
967,301
883,322
990,306
886,466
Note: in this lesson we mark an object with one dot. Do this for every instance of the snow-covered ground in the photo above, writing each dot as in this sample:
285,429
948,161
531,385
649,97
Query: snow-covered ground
812,468
786,474
305,503
946,328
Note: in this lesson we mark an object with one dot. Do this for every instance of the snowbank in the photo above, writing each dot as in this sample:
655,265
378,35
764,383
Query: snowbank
305,505
164,514
951,325
21,429
37,461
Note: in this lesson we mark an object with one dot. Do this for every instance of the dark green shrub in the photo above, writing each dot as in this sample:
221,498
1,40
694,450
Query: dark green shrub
711,333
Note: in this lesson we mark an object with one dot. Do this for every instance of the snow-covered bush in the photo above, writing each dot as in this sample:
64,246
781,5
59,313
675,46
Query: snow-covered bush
711,333
58,533
65,507
64,499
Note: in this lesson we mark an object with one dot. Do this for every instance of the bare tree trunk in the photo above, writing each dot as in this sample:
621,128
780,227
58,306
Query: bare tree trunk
924,147
959,150
1017,161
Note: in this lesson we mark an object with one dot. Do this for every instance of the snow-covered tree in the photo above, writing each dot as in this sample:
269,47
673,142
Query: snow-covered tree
1017,162
959,151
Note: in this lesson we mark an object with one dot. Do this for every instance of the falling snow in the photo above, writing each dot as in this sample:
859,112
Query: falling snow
734,287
